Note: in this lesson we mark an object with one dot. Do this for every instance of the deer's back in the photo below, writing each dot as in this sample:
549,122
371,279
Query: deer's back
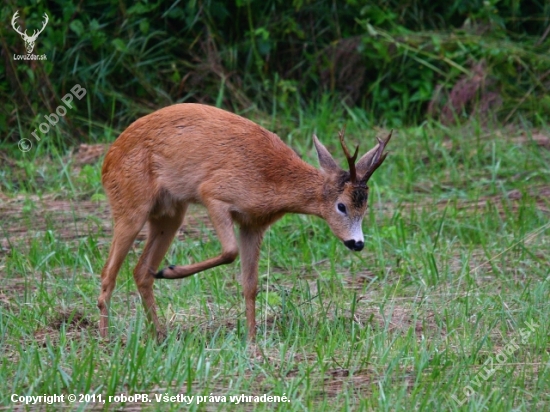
190,150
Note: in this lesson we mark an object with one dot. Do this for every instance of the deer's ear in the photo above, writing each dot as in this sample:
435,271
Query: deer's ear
371,160
365,162
325,158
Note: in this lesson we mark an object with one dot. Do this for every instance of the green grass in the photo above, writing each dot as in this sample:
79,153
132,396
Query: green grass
456,262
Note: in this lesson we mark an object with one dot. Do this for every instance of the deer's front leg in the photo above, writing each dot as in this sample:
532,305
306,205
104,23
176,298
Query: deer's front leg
250,242
223,224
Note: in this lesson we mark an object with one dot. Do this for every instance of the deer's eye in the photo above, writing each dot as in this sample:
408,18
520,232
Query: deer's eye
341,207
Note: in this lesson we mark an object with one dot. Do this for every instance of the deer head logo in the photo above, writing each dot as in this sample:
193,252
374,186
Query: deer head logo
29,40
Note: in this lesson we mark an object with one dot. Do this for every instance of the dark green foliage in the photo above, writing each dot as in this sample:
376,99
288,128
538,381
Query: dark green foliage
399,61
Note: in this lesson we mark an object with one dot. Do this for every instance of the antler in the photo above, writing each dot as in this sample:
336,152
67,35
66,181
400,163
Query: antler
377,158
24,34
35,33
351,159
18,28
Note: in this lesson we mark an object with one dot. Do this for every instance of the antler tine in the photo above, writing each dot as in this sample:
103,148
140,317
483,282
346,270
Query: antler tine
14,22
37,32
378,157
351,159
46,20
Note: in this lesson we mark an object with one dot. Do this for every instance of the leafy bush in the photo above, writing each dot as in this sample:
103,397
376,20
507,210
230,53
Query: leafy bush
400,61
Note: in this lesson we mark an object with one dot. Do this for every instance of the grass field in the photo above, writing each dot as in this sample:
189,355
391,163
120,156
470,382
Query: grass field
446,308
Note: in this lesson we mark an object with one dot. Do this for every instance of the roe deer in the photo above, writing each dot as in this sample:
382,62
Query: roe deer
242,173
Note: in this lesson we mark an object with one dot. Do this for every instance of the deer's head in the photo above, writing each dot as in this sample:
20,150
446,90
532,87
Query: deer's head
29,40
345,193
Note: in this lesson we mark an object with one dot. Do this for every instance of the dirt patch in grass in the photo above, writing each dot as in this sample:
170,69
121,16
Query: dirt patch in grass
23,216
73,321
539,194
13,289
399,318
89,153
537,138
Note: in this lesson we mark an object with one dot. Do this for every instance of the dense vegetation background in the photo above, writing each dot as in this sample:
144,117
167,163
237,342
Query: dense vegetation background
392,62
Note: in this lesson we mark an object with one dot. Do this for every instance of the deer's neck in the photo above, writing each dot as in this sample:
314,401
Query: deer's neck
302,191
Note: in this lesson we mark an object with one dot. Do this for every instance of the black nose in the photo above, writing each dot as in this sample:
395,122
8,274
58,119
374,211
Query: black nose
353,245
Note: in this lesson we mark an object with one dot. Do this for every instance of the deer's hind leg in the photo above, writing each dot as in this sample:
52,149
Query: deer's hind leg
162,230
220,216
125,230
